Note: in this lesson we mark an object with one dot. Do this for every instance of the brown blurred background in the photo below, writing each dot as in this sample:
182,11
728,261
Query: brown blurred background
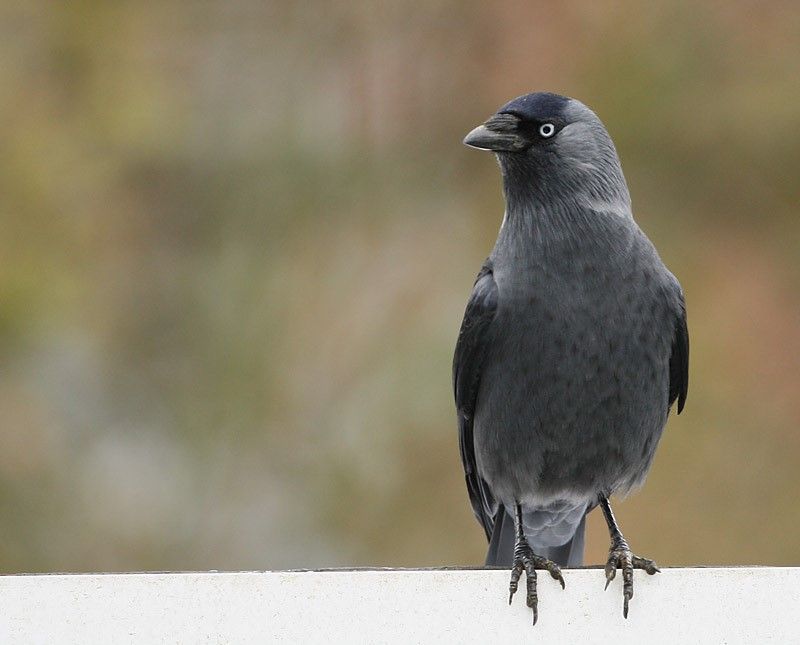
237,239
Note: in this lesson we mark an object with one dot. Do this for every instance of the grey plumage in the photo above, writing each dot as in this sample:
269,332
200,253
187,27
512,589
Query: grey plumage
574,342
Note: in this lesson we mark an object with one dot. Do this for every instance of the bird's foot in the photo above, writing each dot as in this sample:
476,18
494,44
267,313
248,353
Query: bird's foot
621,557
526,560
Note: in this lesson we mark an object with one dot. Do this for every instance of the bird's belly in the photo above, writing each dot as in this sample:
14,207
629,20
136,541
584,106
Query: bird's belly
571,403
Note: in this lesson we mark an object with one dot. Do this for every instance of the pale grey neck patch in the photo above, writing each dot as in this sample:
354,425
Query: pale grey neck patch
616,205
505,218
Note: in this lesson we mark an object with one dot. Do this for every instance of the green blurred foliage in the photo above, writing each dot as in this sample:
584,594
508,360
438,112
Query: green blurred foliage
237,239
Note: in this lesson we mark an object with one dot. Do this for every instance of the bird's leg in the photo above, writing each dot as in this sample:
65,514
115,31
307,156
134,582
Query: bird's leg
526,560
620,556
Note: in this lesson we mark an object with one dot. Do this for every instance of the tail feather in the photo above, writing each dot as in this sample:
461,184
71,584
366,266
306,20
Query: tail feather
501,546
569,554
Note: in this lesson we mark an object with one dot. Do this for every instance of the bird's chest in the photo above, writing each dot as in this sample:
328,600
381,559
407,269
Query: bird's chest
573,393
578,333
569,305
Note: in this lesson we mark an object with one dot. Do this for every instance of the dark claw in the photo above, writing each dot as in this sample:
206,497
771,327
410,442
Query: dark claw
554,570
516,572
611,569
526,560
620,556
647,565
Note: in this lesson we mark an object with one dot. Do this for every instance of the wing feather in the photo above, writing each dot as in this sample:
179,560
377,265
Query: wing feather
471,348
679,359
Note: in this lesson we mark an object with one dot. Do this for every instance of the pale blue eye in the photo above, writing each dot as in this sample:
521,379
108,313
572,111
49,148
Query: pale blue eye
547,130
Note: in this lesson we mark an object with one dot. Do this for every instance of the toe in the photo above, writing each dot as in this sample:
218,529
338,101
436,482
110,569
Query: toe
611,569
516,572
627,577
532,597
648,565
555,573
552,568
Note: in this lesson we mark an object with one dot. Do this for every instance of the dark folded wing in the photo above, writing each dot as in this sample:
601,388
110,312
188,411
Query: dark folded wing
471,348
679,360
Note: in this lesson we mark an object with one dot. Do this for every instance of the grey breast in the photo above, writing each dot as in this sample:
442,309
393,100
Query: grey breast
573,396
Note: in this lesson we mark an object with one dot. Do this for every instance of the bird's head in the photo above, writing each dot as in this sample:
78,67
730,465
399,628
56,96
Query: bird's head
552,143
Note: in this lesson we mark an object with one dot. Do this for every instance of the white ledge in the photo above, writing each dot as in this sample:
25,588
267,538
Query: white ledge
704,605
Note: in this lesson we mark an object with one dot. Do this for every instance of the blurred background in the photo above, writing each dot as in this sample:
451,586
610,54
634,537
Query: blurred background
237,238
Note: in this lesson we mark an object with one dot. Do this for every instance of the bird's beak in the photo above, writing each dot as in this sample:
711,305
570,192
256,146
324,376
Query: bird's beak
499,134
481,138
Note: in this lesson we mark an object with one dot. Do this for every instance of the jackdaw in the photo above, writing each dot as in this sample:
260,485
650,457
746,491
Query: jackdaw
573,347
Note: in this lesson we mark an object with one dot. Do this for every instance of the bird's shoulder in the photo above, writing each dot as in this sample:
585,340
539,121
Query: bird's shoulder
473,336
